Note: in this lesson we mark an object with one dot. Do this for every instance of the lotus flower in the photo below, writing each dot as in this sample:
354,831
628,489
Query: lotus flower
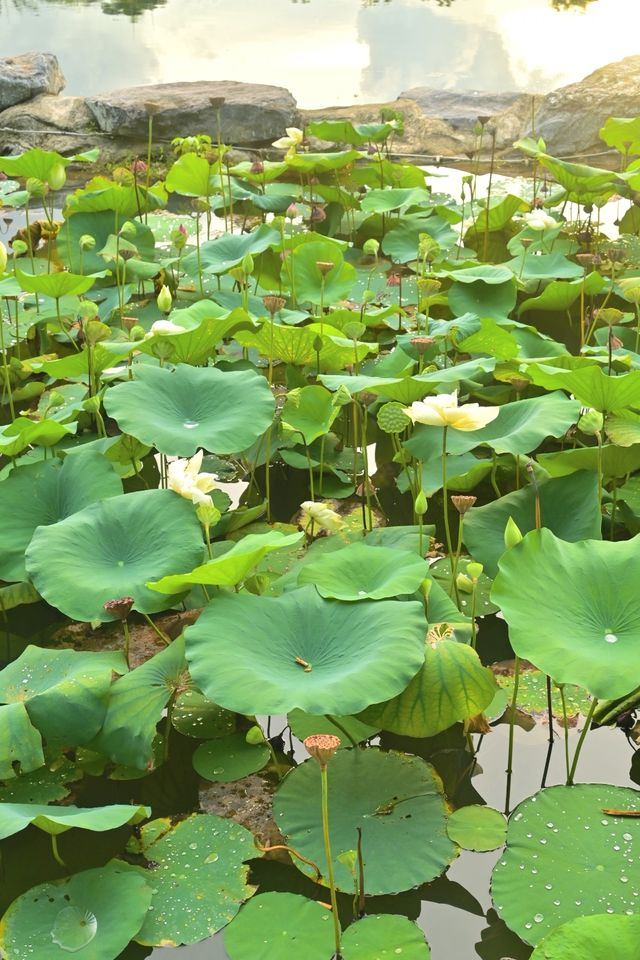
164,328
443,411
291,142
319,515
184,477
539,220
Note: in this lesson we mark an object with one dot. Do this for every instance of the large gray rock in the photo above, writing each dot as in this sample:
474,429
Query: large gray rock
569,118
460,109
64,124
25,76
252,113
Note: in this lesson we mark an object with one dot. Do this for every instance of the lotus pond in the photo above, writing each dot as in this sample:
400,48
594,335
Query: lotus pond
319,511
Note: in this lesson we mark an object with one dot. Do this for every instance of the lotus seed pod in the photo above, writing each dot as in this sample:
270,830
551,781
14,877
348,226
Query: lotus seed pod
128,230
591,422
474,570
87,242
19,247
88,310
512,534
354,329
273,303
164,299
254,736
420,505
371,247
57,176
121,608
207,513
422,344
322,746
95,331
325,266
392,418
137,332
463,503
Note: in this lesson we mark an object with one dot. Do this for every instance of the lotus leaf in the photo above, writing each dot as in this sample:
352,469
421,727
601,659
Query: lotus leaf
566,858
53,820
55,285
110,549
382,936
218,256
94,914
44,785
307,280
591,937
477,828
310,412
195,716
588,628
359,572
229,758
20,742
280,926
591,385
298,650
395,798
306,724
196,870
189,408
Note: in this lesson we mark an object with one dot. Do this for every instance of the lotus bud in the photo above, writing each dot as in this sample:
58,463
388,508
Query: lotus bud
128,230
425,587
179,238
88,310
237,273
325,266
474,570
164,299
318,343
273,303
254,736
420,505
137,332
463,503
292,212
3,257
394,280
512,534
354,329
119,609
371,247
257,167
87,242
57,176
317,215
615,342
591,422
138,168
95,331
247,264
322,747
19,247
464,583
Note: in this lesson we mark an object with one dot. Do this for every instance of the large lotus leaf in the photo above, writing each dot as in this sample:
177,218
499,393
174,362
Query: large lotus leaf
546,266
192,176
359,572
292,345
483,299
55,285
567,858
23,432
402,242
42,493
357,134
301,272
383,201
452,685
352,654
309,412
395,798
64,691
93,914
587,630
189,408
20,742
384,936
198,876
491,338
561,294
593,937
47,784
136,704
110,549
533,696
568,507
280,926
219,255
590,385
232,566
39,163
204,327
195,716
229,758
615,461
15,817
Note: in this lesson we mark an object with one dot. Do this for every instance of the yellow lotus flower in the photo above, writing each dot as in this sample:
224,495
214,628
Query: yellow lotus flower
184,478
291,142
319,516
164,328
443,411
539,220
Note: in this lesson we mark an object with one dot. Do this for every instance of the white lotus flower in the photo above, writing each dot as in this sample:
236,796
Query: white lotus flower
539,220
163,328
320,516
443,411
291,142
184,478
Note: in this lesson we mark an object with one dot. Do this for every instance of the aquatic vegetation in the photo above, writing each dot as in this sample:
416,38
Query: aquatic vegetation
331,473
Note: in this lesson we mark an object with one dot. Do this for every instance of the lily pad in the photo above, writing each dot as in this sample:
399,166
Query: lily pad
226,759
359,572
588,628
45,785
395,798
280,926
189,408
592,937
110,549
566,858
198,877
384,937
94,914
195,716
298,650
477,828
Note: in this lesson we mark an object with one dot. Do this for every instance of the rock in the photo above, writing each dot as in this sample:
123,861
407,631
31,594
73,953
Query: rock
569,119
460,109
64,124
252,113
27,75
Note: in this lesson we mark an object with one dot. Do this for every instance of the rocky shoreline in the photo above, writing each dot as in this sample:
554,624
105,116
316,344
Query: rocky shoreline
439,125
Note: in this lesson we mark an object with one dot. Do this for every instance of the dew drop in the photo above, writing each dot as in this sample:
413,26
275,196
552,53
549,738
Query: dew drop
190,424
611,638
538,918
627,837
73,929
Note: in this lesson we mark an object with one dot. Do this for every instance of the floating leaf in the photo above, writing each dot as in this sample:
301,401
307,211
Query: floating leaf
477,828
195,716
383,936
20,742
280,926
592,937
44,785
566,859
359,572
397,801
307,652
229,758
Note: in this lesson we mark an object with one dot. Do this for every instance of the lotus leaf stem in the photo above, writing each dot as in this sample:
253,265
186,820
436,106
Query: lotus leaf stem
56,852
329,857
512,717
585,730
566,730
342,729
161,633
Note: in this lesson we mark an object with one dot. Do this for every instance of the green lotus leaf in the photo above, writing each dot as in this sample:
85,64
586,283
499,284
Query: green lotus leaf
562,294
94,914
591,937
64,691
356,134
568,507
567,858
491,338
395,798
309,411
20,742
383,201
532,695
545,266
352,654
384,936
319,162
205,324
477,828
229,758
304,725
136,705
42,493
198,876
615,461
401,243
53,820
451,686
23,432
110,549
195,716
306,279
483,299
441,571
280,926
232,566
492,274
192,176
292,345
219,255
590,385
47,784
39,163
359,572
55,285
183,410
588,628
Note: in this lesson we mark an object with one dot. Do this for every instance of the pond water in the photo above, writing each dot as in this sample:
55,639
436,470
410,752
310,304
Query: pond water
327,52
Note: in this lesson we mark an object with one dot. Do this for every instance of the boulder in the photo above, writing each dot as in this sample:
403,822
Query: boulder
64,124
27,75
251,113
460,109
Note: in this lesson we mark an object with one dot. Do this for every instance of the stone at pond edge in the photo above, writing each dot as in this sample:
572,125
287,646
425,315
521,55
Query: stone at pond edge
27,75
40,122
